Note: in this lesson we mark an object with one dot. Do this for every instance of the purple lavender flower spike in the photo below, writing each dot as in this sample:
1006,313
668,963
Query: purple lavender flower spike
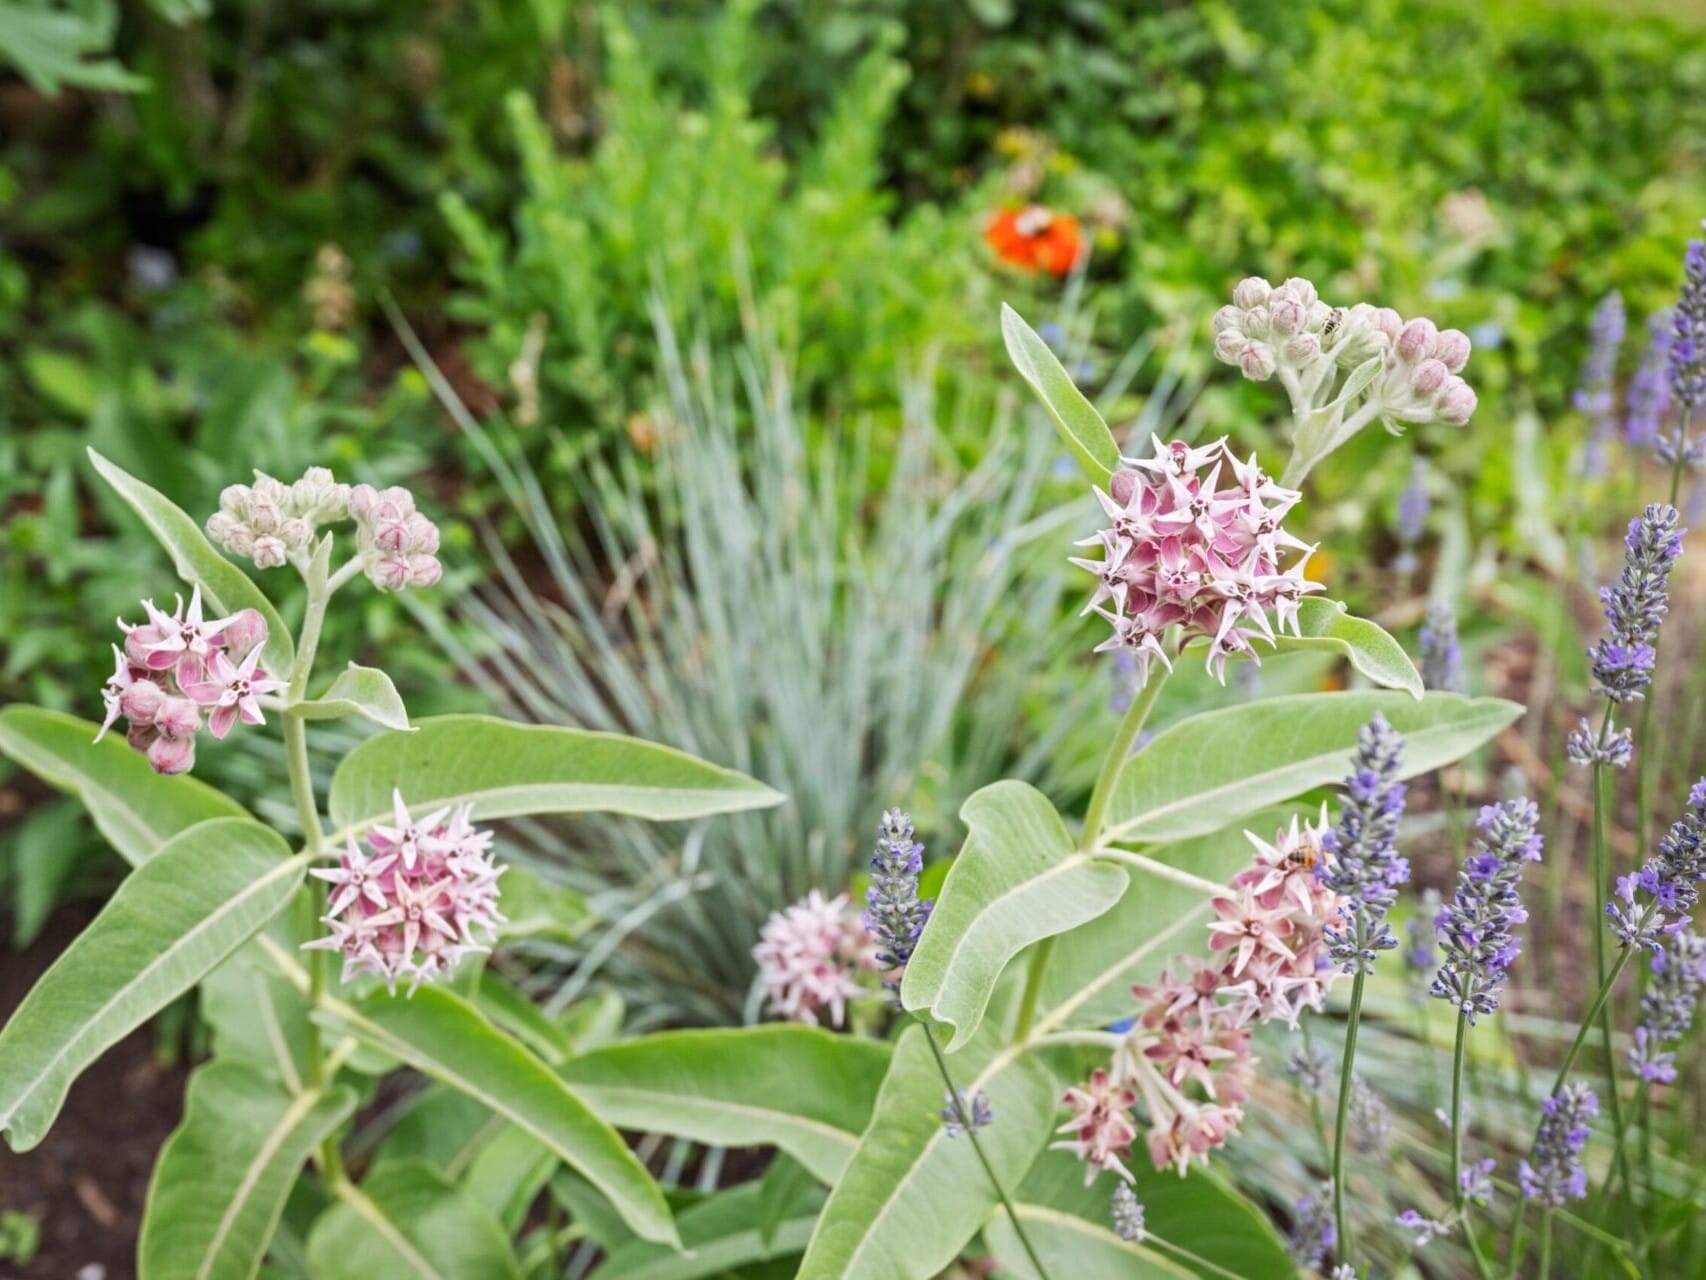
1476,1182
1623,659
1688,327
1363,864
1478,927
1423,1230
1553,1172
894,916
1667,1005
1594,394
1442,656
1656,901
1648,398
1313,1234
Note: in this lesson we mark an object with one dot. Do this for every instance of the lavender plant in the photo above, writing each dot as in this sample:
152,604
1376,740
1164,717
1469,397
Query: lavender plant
217,897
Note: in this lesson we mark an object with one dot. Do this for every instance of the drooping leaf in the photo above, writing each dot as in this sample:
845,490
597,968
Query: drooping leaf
1327,627
785,1184
405,1222
535,907
1204,772
176,917
223,1176
509,1008
785,1085
359,691
1076,419
440,1034
507,1175
46,850
1089,978
136,809
507,770
224,587
1068,1224
443,1127
1017,879
912,1196
257,1017
719,1235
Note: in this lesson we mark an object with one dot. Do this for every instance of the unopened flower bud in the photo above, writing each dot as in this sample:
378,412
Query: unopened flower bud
1429,377
178,718
1301,348
1256,361
221,525
1457,401
424,570
141,736
295,533
265,517
141,701
1302,290
1258,323
1121,485
1288,317
1228,343
395,503
1228,318
392,536
171,755
361,500
245,630
389,573
1417,340
269,553
1453,349
422,535
1388,322
1252,291
270,490
234,499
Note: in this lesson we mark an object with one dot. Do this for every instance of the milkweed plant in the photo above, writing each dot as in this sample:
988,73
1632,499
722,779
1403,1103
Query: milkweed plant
1048,1058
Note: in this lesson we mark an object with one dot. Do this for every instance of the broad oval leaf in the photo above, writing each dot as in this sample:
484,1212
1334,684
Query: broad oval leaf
366,692
1326,626
224,586
136,809
720,1235
506,770
176,917
405,1222
1211,769
794,1087
1075,418
911,1197
1017,879
1067,1222
225,1173
440,1034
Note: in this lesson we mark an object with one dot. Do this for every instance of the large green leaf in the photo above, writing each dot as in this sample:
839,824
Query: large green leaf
1068,1224
1089,978
912,1196
507,1175
405,1222
506,770
1326,626
224,587
1075,418
1017,879
719,1235
794,1087
177,916
1204,772
136,809
257,1016
439,1033
223,1176
359,691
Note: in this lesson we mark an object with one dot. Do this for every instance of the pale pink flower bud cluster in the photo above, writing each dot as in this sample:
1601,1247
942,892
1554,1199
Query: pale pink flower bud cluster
811,958
420,898
178,665
398,545
1195,540
269,521
1187,1057
1288,330
272,523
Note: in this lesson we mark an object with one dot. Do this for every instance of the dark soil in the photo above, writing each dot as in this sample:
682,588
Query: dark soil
86,1183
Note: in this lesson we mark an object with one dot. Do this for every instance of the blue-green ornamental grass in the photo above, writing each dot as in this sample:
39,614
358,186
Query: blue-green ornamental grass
1051,1057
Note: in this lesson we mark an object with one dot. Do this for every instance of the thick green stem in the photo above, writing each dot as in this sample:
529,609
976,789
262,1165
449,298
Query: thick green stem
1457,1198
1341,1125
958,1102
1546,1246
1131,724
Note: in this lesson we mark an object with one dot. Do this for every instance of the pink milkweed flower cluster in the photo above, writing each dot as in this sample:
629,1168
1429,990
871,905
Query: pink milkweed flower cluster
1187,1056
423,896
1287,330
177,665
272,523
811,957
1195,540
